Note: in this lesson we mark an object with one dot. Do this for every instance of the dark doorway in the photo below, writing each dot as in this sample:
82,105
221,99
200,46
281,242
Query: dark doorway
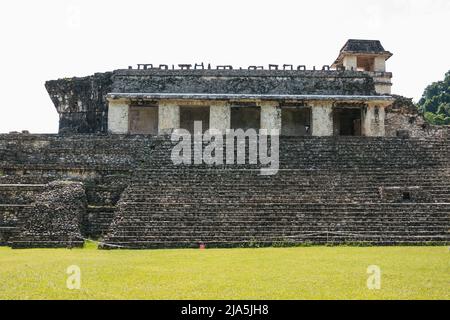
245,118
406,196
296,121
365,64
347,121
188,115
143,120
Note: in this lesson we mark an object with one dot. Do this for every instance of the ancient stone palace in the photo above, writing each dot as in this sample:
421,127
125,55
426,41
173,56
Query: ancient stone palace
357,164
349,99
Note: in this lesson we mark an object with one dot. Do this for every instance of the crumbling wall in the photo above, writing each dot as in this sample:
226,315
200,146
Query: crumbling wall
315,82
403,117
81,103
55,219
103,163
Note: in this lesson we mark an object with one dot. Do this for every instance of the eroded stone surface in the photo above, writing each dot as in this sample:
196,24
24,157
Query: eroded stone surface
55,219
81,102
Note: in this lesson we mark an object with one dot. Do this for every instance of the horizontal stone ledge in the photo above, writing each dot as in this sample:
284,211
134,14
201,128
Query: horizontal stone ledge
252,97
20,185
15,206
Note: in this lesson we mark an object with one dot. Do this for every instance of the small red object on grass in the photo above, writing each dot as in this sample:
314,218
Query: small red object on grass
202,246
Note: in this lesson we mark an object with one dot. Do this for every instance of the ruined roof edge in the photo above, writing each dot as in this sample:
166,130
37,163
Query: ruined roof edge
242,72
201,96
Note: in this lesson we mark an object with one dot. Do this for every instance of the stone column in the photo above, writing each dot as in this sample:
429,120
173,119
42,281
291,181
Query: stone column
379,64
373,121
322,119
219,116
350,62
168,117
270,116
118,116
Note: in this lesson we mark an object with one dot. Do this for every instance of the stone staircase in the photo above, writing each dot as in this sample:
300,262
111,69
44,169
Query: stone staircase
225,225
243,209
328,190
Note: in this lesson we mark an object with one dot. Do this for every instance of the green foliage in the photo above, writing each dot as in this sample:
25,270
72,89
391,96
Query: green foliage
435,102
437,118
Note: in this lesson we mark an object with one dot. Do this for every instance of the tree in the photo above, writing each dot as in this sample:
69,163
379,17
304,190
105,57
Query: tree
435,102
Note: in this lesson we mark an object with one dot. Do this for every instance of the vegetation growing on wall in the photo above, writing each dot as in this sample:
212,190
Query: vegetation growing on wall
435,102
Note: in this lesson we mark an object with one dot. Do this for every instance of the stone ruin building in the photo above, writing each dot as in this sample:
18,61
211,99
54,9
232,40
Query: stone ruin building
357,164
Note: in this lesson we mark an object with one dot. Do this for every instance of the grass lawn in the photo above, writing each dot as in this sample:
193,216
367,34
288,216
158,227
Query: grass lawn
267,273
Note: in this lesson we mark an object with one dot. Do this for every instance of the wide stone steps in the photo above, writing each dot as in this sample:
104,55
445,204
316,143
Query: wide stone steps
242,229
221,203
11,217
135,245
19,193
261,242
226,223
328,183
304,220
205,236
198,219
345,198
191,186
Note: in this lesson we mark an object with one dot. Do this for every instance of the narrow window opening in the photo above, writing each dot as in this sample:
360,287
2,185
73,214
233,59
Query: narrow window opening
406,196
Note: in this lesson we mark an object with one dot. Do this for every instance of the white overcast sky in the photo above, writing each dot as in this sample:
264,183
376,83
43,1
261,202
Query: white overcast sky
51,39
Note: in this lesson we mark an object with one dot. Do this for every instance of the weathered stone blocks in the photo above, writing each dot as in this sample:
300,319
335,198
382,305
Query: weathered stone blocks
55,219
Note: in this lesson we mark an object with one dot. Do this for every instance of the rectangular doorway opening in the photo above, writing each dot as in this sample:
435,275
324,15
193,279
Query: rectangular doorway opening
296,121
143,120
365,63
245,118
347,121
190,114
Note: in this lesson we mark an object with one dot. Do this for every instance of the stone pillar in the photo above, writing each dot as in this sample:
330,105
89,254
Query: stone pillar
168,117
350,62
383,82
270,116
373,121
379,64
118,117
322,119
219,116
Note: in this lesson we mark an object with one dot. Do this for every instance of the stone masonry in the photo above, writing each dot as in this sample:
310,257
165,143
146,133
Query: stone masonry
358,165
329,190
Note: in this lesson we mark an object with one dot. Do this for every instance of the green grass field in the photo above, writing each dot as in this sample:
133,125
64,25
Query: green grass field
267,273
